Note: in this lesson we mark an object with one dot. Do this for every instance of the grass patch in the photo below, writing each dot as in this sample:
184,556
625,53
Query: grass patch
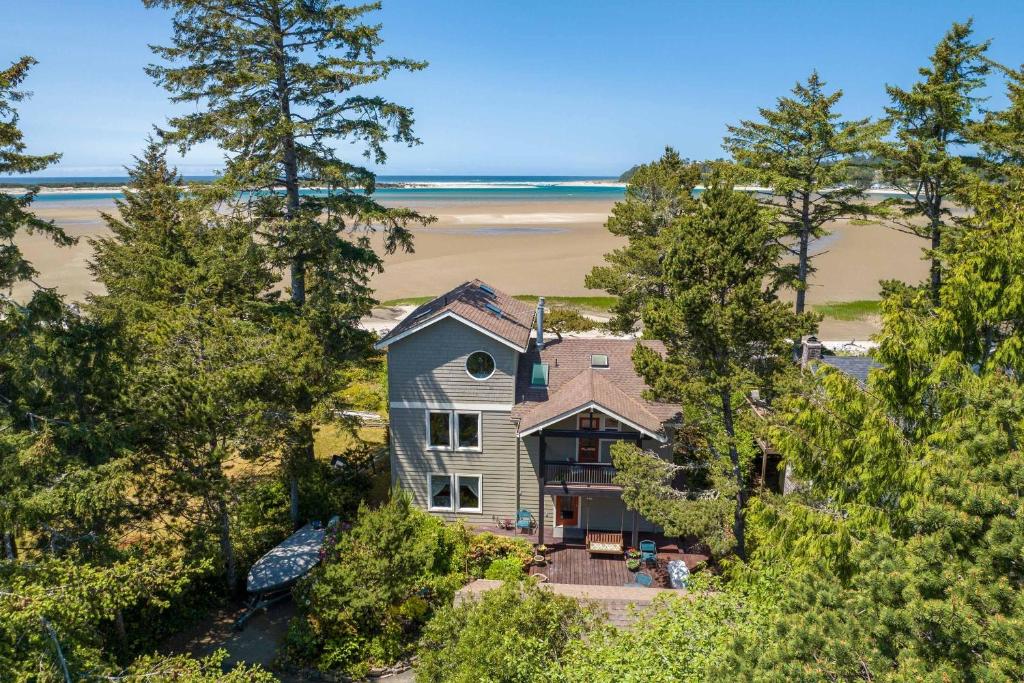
849,310
330,440
599,303
407,301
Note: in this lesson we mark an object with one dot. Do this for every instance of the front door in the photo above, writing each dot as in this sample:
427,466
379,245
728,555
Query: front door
589,449
567,511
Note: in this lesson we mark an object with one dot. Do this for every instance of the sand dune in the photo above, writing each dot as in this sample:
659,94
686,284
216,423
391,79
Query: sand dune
533,246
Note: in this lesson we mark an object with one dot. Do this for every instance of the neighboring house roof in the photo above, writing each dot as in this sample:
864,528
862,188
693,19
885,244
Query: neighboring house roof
574,386
477,305
856,367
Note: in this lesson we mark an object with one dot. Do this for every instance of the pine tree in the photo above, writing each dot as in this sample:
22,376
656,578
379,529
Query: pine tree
726,333
278,86
656,195
930,122
802,151
14,211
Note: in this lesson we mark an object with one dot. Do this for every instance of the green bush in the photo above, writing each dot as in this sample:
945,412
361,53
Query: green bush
515,633
505,569
363,607
485,548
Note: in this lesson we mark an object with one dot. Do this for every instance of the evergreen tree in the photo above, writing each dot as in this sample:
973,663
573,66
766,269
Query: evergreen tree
930,122
726,333
14,213
657,194
278,86
802,151
210,363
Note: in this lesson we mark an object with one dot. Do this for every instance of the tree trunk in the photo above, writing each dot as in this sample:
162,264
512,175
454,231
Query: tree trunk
936,269
10,546
298,265
739,520
801,291
227,549
122,632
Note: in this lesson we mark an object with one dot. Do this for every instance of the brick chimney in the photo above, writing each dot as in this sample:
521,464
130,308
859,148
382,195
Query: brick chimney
811,350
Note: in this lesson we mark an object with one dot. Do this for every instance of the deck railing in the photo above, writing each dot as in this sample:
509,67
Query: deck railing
579,473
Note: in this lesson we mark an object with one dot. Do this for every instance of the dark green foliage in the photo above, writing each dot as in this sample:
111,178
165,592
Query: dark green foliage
516,633
726,333
657,194
930,122
803,152
376,587
487,548
279,85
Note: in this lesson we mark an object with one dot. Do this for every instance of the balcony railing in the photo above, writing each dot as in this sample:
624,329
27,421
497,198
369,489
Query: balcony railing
579,473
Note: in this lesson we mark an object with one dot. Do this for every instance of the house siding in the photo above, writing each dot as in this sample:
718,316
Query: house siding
412,463
430,366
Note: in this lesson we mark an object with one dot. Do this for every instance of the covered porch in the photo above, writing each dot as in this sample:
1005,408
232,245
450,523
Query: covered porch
576,493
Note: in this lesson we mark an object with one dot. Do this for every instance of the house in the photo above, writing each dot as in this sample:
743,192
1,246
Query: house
488,418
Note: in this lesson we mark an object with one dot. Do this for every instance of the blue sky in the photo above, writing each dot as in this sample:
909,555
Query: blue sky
528,87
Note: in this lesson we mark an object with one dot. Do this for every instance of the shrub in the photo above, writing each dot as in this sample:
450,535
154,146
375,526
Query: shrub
364,605
505,569
515,633
486,547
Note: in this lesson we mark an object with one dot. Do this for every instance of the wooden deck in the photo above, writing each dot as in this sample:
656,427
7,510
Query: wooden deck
571,563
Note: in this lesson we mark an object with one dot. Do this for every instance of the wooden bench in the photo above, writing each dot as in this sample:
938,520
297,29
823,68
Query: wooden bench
604,543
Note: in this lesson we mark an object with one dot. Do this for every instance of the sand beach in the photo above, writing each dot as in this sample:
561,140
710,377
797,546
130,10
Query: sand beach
524,246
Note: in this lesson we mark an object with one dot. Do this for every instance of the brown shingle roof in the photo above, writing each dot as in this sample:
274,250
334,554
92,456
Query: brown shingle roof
470,301
572,383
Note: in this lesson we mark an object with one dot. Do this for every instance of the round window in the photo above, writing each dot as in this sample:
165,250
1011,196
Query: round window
480,365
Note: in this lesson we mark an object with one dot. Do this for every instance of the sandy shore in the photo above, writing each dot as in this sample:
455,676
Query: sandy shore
533,246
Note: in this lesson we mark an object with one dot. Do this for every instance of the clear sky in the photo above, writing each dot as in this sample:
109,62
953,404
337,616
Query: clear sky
584,87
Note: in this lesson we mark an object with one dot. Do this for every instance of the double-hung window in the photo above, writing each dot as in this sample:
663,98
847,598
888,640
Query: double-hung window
454,430
455,493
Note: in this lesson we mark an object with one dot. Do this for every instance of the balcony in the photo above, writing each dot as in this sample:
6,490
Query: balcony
579,474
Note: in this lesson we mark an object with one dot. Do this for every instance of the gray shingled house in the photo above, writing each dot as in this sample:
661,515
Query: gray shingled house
487,418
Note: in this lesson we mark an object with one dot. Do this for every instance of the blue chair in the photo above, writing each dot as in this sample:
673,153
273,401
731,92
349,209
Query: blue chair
648,551
524,520
640,581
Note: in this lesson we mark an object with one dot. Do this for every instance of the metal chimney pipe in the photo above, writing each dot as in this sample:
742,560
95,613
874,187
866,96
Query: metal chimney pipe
540,323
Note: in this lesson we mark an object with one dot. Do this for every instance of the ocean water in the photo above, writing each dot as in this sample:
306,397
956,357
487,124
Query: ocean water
413,188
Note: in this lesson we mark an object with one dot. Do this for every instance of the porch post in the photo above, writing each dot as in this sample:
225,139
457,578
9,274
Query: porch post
636,531
540,489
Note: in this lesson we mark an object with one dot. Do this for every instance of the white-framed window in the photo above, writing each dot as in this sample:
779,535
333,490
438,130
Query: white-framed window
455,492
468,432
458,430
439,488
469,496
439,430
480,365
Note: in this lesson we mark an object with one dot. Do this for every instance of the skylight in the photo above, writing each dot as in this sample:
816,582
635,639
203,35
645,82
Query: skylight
539,377
493,309
599,360
487,290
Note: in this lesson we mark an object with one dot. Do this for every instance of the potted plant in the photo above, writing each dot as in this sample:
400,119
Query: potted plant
633,564
632,554
542,549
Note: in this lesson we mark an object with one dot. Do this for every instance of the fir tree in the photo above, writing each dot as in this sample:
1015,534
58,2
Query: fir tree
930,122
14,211
802,151
657,194
726,333
279,85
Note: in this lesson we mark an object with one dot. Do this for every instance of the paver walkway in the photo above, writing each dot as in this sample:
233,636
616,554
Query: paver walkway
620,602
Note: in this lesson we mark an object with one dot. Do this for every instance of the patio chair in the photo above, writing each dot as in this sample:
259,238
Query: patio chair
524,520
648,551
